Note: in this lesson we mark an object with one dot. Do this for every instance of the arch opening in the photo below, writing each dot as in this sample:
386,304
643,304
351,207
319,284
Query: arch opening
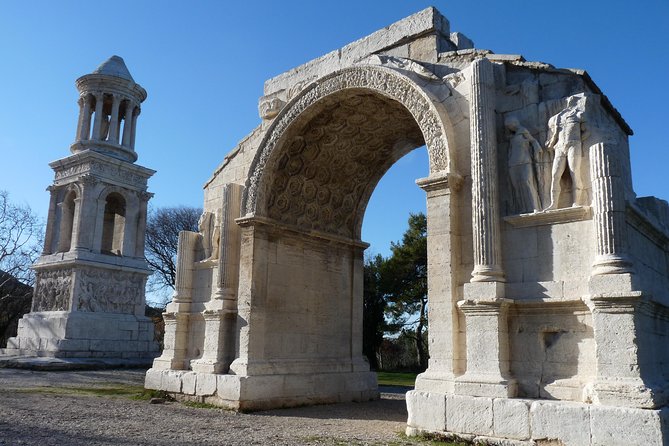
332,159
67,207
113,226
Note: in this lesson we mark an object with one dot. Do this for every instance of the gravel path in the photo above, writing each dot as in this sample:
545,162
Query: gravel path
45,408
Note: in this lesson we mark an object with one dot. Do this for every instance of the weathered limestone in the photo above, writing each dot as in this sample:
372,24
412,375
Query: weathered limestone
90,279
548,279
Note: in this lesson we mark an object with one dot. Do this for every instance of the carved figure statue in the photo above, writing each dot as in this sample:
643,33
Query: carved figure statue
566,132
210,235
523,150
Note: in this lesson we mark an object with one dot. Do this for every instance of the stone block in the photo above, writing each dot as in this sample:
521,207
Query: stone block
188,383
469,415
617,426
425,49
511,418
171,381
206,384
568,422
153,379
427,411
228,387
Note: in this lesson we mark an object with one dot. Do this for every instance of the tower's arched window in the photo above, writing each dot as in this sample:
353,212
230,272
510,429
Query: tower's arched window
114,224
66,222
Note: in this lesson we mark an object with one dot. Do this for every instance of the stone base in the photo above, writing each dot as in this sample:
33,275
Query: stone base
509,421
62,334
249,393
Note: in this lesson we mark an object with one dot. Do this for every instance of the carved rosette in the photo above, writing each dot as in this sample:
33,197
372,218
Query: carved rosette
385,81
53,290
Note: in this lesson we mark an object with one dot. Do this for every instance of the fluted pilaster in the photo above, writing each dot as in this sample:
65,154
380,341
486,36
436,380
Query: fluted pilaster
609,213
185,260
485,203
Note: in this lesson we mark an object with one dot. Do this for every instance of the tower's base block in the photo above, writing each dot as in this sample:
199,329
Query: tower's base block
511,421
265,391
63,334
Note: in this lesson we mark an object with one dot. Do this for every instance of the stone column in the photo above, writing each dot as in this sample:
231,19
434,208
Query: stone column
80,122
144,198
100,204
220,312
616,305
130,229
84,212
176,313
609,212
50,221
485,203
84,131
97,125
114,123
127,123
133,127
484,306
442,244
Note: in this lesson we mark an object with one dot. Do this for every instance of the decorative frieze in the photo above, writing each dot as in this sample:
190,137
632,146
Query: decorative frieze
109,291
53,290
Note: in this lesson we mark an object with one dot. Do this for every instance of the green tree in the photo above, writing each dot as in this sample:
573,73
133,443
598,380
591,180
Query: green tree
162,238
374,323
404,283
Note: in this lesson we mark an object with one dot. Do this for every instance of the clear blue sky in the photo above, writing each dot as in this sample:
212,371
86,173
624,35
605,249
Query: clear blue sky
203,64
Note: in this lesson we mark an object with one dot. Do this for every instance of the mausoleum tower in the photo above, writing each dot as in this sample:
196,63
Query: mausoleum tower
109,104
89,291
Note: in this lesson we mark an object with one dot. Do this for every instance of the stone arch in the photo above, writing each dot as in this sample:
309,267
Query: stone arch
300,291
386,85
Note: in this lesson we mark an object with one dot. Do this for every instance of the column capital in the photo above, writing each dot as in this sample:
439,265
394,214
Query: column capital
88,180
145,196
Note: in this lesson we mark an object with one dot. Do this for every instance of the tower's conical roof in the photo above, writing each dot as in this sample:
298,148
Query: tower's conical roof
114,66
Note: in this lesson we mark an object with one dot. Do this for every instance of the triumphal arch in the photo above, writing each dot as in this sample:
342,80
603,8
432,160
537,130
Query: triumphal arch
548,277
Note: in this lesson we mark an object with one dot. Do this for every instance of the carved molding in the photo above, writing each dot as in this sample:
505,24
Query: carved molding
566,215
385,81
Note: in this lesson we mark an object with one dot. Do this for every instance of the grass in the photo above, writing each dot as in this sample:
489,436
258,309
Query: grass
396,379
199,405
122,391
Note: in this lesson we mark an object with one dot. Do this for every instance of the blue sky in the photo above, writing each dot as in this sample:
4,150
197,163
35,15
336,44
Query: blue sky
203,64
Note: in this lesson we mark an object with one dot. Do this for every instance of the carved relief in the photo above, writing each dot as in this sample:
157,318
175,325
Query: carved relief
404,64
269,107
523,153
52,290
109,291
383,80
566,132
209,228
119,174
72,171
102,170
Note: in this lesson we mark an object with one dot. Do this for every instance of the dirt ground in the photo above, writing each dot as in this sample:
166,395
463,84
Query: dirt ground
101,408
